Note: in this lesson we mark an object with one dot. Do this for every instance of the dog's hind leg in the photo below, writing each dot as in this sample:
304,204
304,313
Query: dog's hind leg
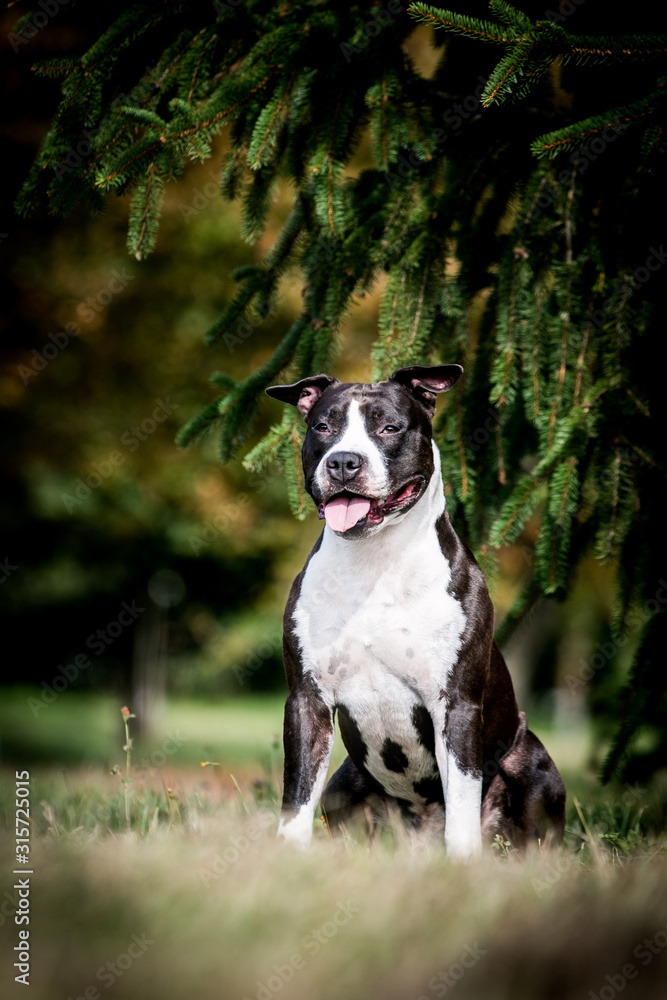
525,801
346,796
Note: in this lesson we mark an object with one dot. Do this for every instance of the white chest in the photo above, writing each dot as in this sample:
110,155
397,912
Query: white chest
374,620
380,634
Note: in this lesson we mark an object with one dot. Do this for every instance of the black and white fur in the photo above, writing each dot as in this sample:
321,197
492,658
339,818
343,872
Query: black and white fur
390,625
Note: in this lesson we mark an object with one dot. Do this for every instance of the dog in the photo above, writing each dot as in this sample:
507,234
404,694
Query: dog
390,625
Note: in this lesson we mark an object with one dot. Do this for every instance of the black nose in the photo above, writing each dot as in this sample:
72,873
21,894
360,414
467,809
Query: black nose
343,466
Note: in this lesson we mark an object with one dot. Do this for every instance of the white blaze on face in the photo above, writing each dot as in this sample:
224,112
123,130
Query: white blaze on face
355,438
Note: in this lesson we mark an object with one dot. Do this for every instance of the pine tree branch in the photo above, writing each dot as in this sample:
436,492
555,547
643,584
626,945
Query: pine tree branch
536,275
212,40
619,49
617,119
553,38
167,136
460,24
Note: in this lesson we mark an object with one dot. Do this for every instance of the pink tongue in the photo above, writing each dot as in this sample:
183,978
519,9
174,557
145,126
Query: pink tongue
343,512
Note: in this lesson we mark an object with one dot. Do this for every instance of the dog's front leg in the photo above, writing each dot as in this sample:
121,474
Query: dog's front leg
459,756
308,738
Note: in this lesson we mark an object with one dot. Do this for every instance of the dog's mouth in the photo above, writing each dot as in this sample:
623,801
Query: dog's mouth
351,510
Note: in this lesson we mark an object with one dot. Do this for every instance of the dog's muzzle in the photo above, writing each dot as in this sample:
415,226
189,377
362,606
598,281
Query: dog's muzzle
347,509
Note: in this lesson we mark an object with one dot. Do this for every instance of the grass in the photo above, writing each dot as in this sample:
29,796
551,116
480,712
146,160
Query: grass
83,728
199,900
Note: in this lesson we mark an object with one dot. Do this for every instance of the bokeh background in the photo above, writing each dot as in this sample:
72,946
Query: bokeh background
102,361
134,573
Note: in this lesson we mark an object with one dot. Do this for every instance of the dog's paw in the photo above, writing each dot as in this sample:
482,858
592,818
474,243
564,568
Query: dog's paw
297,829
464,848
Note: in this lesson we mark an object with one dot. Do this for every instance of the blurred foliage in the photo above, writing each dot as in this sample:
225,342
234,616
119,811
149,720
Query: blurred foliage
97,496
201,872
83,729
207,750
72,560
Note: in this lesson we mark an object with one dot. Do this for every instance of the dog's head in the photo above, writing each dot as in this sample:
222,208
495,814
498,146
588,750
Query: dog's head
367,454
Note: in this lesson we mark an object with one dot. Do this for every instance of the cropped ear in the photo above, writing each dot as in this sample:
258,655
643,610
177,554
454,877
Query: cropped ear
426,382
303,394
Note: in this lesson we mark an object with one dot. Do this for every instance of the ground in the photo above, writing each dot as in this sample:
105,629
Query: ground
197,898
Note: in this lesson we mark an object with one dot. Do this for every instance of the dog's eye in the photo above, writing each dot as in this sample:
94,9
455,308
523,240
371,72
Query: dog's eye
321,427
390,429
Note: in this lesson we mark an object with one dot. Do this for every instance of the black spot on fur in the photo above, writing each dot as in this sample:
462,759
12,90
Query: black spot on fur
421,720
430,789
393,757
352,737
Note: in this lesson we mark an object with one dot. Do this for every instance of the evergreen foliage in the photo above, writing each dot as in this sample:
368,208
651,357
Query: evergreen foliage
513,222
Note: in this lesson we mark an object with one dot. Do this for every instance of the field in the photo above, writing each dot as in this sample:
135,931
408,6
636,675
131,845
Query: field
194,897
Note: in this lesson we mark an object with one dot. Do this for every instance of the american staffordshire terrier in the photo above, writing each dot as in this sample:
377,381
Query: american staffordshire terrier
390,624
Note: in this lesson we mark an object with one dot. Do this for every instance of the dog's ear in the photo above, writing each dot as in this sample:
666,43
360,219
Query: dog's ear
303,394
426,382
